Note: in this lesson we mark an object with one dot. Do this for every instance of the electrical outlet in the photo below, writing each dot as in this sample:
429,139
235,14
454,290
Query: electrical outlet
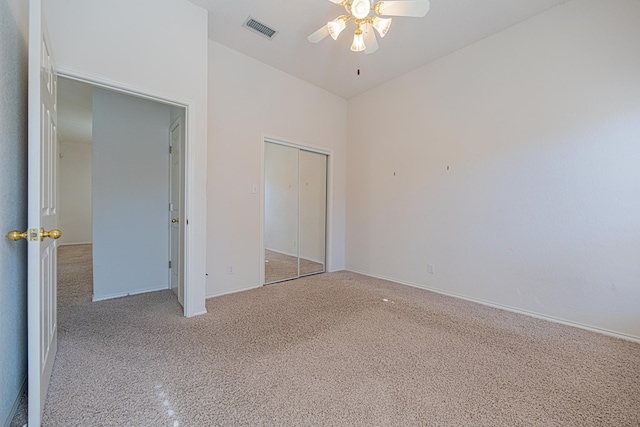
231,269
431,269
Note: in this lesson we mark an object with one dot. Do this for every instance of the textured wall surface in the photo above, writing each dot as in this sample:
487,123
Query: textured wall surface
74,178
130,194
13,210
511,166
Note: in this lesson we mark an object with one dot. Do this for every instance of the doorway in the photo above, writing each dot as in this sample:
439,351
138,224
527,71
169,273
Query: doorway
124,210
295,211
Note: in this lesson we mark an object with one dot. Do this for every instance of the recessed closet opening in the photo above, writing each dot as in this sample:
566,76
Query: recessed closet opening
295,211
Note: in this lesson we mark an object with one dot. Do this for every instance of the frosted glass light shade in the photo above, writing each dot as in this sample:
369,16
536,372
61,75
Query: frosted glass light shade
358,41
382,25
360,8
336,26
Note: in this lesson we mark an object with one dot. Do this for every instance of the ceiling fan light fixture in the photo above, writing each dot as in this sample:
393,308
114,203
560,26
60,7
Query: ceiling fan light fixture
382,25
360,8
358,41
366,15
336,26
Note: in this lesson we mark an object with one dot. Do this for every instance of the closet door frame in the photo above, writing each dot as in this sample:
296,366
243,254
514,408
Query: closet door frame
328,195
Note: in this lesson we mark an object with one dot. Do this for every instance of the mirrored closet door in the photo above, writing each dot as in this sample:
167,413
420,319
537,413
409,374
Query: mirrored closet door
295,208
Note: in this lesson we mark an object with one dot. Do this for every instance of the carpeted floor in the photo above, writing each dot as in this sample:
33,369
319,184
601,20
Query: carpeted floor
279,266
337,349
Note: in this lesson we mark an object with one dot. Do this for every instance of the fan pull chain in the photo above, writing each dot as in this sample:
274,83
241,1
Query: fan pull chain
358,69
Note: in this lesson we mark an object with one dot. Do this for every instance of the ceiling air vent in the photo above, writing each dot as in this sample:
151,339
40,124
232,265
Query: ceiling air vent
259,28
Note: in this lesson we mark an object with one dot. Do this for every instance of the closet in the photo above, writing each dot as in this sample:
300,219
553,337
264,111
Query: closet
295,206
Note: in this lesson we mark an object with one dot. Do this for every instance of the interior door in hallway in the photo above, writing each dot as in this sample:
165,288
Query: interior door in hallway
176,245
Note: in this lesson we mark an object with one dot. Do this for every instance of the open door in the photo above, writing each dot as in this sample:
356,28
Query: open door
176,246
42,214
42,217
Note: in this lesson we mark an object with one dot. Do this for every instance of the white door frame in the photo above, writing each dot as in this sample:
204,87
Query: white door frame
187,187
329,204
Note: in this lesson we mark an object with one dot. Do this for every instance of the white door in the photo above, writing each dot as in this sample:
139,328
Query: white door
175,209
42,214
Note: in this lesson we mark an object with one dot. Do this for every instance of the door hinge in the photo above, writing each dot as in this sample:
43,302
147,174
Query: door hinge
170,149
169,264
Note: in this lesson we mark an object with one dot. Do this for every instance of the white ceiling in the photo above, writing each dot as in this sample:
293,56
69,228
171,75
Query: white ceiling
410,43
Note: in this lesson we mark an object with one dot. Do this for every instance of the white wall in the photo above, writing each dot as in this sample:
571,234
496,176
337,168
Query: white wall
13,210
248,98
74,194
130,195
512,166
156,47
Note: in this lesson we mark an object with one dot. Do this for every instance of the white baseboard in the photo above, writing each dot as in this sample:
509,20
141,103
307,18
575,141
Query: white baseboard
233,291
14,407
509,308
127,294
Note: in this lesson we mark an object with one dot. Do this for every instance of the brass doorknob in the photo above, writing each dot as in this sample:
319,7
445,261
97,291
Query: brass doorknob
53,234
16,235
174,220
32,234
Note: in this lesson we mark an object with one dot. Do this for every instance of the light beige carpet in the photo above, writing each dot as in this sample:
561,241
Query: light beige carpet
279,266
337,349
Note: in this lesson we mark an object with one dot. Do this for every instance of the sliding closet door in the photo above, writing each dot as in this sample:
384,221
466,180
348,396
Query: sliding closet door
295,205
280,212
313,198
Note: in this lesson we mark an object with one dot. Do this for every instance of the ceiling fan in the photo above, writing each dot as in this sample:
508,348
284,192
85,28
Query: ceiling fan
358,11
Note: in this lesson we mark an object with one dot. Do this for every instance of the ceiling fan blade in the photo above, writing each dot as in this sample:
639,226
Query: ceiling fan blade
319,35
417,8
370,39
336,1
